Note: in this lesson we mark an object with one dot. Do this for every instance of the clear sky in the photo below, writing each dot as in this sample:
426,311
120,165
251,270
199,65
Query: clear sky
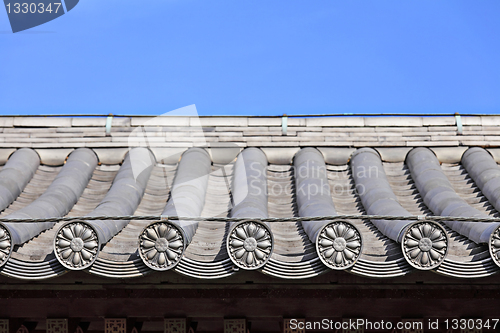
256,58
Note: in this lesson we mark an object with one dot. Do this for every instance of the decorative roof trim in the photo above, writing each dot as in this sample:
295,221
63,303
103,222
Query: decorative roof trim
5,245
76,245
339,245
250,244
425,245
162,245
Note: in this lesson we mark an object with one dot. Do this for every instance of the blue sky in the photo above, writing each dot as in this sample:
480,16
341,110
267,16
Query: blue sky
256,58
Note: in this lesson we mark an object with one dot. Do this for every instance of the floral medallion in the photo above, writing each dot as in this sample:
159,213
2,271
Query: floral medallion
5,245
250,244
76,245
339,245
425,245
161,245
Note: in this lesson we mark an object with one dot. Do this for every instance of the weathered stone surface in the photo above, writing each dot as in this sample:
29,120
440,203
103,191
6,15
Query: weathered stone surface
438,121
361,144
111,156
219,121
471,120
495,152
393,155
161,131
456,137
335,121
393,121
431,143
490,120
294,138
120,122
272,144
53,157
42,122
360,130
160,121
449,154
269,133
264,121
296,121
323,134
442,128
280,156
88,122
400,129
6,121
4,155
337,156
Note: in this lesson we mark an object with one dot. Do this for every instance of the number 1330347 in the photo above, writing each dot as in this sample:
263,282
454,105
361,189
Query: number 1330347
471,324
25,8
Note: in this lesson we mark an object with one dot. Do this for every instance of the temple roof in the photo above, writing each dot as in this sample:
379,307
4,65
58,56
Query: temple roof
249,167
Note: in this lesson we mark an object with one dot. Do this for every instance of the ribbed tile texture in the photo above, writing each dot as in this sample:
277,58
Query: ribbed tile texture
291,242
58,199
123,246
440,196
41,180
376,193
294,255
40,247
208,242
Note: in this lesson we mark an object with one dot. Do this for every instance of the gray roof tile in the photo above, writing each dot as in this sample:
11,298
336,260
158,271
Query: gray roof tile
293,255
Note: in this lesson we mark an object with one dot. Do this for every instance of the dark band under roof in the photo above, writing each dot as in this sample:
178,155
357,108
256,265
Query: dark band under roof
16,174
440,196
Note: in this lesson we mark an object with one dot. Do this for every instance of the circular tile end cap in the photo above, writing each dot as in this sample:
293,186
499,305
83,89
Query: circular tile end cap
339,245
76,245
494,246
425,245
5,245
250,244
162,245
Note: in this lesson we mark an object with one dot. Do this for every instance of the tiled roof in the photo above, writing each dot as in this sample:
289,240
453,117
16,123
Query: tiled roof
252,175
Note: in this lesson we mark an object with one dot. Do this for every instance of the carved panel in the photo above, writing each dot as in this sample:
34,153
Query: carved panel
4,326
57,325
288,327
175,325
235,325
118,325
416,327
